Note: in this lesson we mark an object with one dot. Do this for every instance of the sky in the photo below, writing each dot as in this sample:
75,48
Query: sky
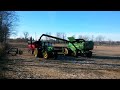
89,23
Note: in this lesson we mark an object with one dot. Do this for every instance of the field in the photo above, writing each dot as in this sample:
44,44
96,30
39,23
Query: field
105,64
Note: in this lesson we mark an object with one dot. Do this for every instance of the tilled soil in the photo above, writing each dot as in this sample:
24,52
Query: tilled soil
26,66
84,68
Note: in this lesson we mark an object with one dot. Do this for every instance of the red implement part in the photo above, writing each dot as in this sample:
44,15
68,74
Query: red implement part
31,46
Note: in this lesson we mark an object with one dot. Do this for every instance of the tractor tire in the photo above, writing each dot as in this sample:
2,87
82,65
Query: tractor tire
35,52
31,51
75,54
89,54
55,55
45,55
65,51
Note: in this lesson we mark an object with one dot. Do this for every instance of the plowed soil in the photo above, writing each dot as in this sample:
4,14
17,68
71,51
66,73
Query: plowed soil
105,64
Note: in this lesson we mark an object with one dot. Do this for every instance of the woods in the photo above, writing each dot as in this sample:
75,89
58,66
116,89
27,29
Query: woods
8,21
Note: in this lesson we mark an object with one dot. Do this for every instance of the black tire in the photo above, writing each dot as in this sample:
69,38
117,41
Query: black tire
89,54
55,55
40,55
82,54
31,52
75,54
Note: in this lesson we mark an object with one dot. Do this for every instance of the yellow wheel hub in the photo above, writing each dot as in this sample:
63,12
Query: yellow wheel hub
45,55
65,51
35,52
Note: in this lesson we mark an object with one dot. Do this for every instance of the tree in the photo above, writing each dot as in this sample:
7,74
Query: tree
109,41
83,37
92,38
63,36
99,39
48,33
7,23
58,34
26,34
80,37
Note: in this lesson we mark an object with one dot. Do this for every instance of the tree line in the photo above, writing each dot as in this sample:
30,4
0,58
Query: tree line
98,40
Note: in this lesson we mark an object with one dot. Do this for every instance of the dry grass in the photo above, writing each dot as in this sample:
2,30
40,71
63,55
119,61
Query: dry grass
107,50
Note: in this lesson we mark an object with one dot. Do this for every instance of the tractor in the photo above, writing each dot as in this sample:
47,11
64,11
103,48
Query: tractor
42,49
78,47
75,47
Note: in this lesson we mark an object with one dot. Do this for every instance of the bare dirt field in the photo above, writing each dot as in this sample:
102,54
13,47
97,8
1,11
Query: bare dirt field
105,64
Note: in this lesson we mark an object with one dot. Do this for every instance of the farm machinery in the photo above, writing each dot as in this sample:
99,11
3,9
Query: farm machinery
75,47
42,49
78,47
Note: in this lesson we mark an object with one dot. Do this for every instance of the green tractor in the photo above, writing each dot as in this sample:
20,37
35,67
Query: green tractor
78,47
44,49
75,47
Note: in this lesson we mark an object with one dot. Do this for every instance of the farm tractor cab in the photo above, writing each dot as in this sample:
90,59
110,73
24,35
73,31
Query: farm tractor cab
75,47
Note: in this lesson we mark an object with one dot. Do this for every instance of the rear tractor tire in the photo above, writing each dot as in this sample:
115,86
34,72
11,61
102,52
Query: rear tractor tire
89,54
75,54
66,52
55,55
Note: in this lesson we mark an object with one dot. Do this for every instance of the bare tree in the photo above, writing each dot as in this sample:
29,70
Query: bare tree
92,38
63,35
58,34
80,37
26,34
83,37
99,39
86,38
7,23
48,33
109,41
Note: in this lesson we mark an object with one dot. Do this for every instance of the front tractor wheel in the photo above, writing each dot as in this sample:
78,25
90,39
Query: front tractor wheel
45,55
36,52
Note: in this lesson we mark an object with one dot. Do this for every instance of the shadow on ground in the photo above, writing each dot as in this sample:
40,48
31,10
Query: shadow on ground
106,57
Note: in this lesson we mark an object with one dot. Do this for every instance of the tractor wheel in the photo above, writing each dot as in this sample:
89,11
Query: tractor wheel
75,54
45,55
55,55
32,52
36,52
65,51
89,54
